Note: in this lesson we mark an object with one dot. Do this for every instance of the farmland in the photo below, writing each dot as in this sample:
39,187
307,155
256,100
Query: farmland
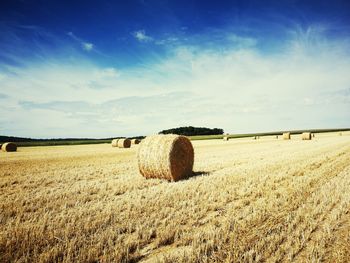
28,142
248,200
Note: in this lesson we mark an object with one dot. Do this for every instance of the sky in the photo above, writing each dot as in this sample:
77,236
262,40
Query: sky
98,69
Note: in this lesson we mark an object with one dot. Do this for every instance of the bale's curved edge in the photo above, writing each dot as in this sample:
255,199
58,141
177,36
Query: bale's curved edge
306,136
181,158
124,143
114,143
135,141
9,147
286,136
167,157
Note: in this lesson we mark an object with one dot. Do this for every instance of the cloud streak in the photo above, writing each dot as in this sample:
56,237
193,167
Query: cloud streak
87,46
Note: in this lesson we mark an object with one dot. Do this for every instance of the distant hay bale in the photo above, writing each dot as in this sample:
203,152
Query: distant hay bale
286,136
9,147
115,142
135,141
167,157
306,136
340,134
124,143
225,138
313,135
276,136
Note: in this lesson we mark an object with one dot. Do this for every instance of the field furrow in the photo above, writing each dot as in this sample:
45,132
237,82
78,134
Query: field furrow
249,200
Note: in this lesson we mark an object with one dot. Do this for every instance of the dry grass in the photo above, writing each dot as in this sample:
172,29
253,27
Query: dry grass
267,200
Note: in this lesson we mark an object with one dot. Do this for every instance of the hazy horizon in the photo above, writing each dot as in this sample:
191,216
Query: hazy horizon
100,69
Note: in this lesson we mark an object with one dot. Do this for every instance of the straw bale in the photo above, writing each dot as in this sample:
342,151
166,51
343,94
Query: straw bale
167,157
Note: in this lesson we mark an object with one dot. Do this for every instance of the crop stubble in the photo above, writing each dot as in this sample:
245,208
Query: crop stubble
267,200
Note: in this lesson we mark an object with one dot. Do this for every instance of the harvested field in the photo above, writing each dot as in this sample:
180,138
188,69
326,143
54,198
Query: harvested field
249,200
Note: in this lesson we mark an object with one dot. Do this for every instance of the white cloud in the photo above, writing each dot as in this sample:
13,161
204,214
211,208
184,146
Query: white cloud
241,41
87,46
3,96
239,89
141,36
108,73
2,76
167,41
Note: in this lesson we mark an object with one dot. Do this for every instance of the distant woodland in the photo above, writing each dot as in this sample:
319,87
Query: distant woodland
192,131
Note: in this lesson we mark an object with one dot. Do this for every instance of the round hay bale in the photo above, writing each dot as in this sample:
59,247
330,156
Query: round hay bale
306,136
286,136
9,147
124,143
276,136
135,141
340,134
115,143
167,157
225,138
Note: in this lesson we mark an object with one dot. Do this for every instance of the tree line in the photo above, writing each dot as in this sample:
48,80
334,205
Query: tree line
191,131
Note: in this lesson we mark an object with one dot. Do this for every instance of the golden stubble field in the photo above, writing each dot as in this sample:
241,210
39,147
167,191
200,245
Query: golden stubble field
250,201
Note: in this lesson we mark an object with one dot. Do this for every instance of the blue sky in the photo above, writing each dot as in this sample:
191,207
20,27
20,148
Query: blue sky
124,68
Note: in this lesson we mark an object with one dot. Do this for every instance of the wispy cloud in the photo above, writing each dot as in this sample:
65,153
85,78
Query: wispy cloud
3,96
237,88
141,36
167,41
20,43
2,76
105,118
108,73
87,46
241,41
